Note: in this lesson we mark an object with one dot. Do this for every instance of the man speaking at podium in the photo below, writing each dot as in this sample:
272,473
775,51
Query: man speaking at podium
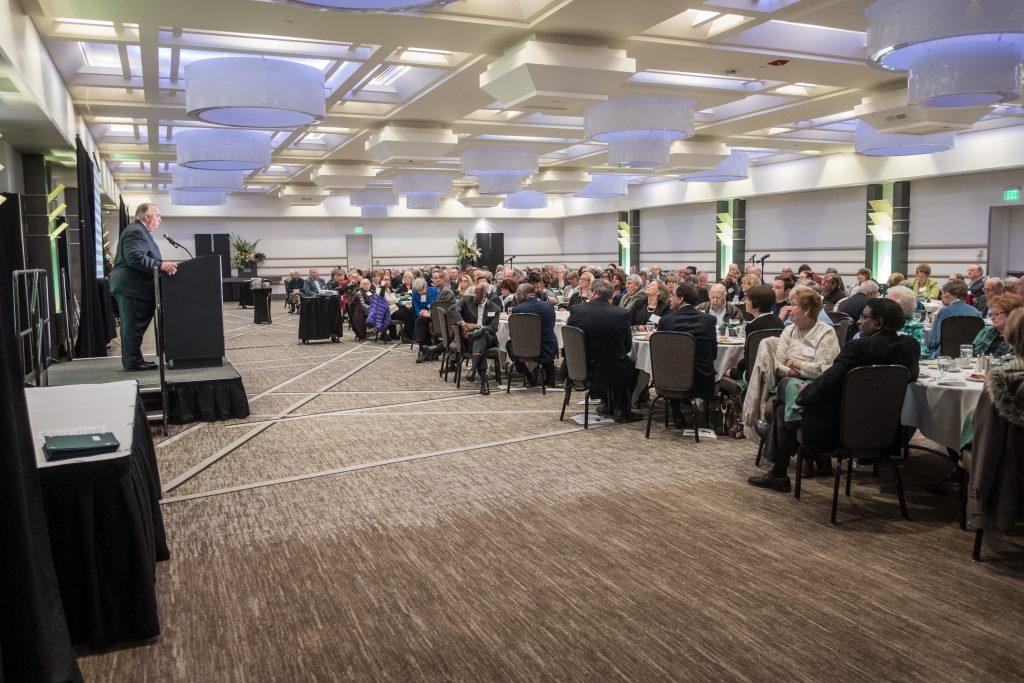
131,281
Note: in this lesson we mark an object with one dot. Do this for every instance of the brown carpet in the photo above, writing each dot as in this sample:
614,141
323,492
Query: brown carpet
549,554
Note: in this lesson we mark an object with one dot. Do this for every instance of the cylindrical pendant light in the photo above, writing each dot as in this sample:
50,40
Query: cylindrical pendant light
253,92
218,149
639,130
194,198
423,190
207,181
373,203
527,199
500,170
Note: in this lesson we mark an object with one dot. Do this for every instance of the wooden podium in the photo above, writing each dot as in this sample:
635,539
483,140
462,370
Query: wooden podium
193,322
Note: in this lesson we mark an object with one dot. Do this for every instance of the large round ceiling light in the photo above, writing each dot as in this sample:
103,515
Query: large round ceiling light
500,170
423,190
372,5
253,92
870,143
374,203
639,130
214,149
194,198
207,181
959,53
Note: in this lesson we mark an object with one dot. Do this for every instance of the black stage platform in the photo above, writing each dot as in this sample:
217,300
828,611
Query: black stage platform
194,394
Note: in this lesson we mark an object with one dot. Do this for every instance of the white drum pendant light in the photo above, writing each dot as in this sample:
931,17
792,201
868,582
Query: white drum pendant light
500,170
735,167
252,92
959,53
527,199
193,198
207,181
423,190
223,150
870,143
373,203
639,130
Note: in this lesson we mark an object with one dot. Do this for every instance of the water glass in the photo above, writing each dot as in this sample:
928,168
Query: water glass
983,365
943,363
966,350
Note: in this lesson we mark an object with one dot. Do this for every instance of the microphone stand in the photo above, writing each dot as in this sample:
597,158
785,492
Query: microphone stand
763,259
181,246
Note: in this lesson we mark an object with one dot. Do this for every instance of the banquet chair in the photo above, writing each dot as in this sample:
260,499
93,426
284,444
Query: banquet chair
958,330
577,372
524,336
435,327
843,328
460,353
869,423
444,328
750,344
673,362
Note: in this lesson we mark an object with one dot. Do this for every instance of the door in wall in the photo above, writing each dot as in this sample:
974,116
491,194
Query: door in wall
359,252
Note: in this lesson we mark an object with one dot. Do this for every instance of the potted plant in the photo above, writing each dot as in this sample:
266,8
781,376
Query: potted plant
246,258
466,250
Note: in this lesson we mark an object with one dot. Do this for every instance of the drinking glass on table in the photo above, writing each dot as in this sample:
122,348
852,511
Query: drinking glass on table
943,363
966,350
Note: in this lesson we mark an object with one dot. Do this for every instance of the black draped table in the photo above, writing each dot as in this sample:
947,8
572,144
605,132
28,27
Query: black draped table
261,306
103,513
320,318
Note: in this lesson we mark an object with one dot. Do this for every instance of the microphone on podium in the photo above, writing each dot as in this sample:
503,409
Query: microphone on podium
179,246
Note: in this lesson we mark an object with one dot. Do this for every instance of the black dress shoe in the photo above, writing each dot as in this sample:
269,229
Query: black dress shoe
629,417
140,367
485,390
770,481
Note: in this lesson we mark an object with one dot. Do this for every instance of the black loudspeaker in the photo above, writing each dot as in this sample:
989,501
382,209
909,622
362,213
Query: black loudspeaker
492,249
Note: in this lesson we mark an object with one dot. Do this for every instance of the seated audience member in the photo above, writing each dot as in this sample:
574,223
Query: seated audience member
649,310
527,302
924,287
975,280
702,279
686,318
905,299
507,291
894,281
722,311
671,281
786,314
618,279
808,346
832,290
863,275
854,305
990,341
465,287
654,273
806,272
759,306
781,286
787,272
582,293
1010,284
445,294
422,297
540,281
732,289
746,282
293,290
634,293
957,276
314,284
993,287
821,400
560,281
608,344
477,319
487,278
953,304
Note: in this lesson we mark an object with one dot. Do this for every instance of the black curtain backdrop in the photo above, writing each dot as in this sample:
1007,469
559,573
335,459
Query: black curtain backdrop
92,327
34,642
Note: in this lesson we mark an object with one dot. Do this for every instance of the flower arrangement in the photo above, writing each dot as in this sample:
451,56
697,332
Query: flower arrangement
466,248
245,252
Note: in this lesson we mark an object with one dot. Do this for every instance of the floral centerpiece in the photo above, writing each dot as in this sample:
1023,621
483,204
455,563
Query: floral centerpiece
246,258
466,250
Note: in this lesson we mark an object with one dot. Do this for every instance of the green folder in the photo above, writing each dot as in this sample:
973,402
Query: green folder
79,445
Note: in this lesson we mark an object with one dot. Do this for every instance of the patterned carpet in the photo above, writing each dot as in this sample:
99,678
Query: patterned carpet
370,522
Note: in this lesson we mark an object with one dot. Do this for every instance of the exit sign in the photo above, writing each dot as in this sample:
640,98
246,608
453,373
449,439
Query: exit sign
358,229
1011,194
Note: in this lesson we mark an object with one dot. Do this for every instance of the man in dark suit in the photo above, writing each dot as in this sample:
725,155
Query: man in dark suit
975,280
609,341
684,317
879,344
526,296
315,284
853,306
131,281
477,318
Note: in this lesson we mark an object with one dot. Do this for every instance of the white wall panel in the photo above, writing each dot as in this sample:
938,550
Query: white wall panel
591,239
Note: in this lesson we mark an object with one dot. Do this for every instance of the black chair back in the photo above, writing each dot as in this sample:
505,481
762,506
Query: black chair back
872,405
673,360
750,346
574,345
842,328
439,317
957,330
524,335
435,320
836,316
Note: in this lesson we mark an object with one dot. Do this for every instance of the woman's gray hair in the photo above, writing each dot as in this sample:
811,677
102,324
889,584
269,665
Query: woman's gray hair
635,279
905,297
418,284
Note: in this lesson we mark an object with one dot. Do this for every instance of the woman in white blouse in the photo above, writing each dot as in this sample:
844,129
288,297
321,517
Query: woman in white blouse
808,346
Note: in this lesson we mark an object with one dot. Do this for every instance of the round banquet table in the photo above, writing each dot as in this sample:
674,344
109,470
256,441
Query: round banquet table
938,407
560,320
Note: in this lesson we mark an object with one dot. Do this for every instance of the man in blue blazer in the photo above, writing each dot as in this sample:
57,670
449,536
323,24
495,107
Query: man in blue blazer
686,318
131,282
526,295
314,284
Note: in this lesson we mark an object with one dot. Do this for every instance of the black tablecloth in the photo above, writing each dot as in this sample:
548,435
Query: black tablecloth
320,318
106,535
245,296
261,305
209,401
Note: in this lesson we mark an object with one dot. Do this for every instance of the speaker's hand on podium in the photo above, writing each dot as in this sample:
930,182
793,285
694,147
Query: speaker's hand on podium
168,267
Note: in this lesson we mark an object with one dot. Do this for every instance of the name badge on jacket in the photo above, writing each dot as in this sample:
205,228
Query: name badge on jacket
423,298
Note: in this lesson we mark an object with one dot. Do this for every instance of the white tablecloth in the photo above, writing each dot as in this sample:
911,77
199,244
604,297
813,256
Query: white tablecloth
938,409
503,332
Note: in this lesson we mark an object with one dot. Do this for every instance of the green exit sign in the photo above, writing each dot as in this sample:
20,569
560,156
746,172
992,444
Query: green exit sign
358,229
1011,194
